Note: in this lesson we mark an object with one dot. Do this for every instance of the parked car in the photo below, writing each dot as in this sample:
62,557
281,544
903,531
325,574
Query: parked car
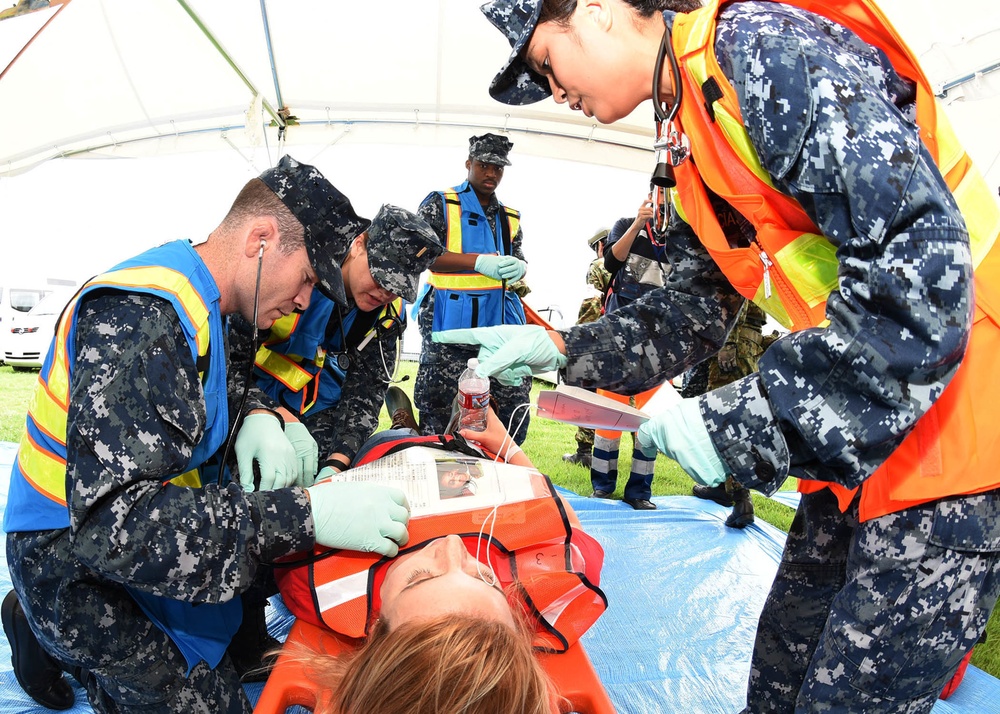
15,302
27,339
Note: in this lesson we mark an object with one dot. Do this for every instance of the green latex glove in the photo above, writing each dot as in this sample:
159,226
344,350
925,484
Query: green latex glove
500,267
680,433
508,352
359,516
262,441
326,472
306,449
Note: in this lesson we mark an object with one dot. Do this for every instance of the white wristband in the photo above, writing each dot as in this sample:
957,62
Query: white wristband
512,450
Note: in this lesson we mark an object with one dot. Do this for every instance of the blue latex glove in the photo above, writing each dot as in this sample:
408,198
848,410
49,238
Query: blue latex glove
500,267
359,516
680,433
508,352
306,449
262,441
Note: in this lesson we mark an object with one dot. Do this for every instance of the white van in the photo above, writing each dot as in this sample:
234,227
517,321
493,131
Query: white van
15,301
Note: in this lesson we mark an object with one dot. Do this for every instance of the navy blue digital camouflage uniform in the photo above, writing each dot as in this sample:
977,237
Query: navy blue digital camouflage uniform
870,617
345,428
400,246
135,415
442,364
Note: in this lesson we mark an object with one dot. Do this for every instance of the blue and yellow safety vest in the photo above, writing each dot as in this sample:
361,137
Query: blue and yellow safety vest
471,299
174,272
297,366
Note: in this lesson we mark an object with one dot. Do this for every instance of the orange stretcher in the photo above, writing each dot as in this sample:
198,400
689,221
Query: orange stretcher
571,672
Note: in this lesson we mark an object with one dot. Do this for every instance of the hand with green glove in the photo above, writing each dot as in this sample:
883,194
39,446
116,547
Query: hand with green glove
306,449
359,516
262,441
500,267
680,433
508,352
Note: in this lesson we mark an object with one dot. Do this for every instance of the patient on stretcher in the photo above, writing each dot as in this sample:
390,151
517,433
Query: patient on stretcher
452,623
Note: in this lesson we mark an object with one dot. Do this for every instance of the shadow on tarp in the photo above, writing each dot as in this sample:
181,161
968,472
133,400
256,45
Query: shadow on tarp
684,595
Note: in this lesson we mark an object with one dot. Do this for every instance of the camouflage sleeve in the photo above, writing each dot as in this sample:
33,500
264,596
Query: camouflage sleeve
663,333
136,411
355,418
432,210
828,118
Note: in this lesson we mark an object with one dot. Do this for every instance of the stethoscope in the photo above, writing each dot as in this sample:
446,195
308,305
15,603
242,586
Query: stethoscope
249,375
380,330
671,146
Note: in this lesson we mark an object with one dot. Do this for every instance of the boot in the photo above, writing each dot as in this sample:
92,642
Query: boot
253,651
742,514
39,675
581,458
400,409
719,494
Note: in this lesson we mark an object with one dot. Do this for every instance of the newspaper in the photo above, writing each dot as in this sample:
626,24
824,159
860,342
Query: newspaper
436,481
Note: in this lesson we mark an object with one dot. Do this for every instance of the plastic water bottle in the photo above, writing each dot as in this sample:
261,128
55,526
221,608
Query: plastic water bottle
473,398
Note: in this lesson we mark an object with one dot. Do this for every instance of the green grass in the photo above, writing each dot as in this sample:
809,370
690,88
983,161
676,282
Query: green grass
547,442
15,393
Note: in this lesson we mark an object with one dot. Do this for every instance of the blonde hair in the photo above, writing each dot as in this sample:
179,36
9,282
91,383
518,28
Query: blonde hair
453,664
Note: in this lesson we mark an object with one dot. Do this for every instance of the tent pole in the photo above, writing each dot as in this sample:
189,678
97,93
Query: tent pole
276,116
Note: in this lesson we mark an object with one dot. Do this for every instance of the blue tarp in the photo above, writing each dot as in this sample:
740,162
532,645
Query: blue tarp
684,592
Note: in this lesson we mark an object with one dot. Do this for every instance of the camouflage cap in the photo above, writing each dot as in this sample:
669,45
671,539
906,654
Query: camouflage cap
516,83
401,245
600,236
326,215
490,149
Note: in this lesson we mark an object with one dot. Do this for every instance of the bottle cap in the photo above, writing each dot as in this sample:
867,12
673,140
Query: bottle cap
473,362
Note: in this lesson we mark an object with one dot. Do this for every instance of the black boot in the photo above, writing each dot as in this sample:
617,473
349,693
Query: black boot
38,674
400,409
719,494
582,458
742,514
253,651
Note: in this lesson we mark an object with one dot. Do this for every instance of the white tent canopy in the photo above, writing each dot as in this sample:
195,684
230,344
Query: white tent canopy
136,78
127,78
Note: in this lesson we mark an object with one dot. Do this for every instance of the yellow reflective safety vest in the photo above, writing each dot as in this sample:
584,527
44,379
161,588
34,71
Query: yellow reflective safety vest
791,268
175,272
471,299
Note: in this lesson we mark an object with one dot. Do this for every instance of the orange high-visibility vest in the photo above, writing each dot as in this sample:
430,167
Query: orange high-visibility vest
791,268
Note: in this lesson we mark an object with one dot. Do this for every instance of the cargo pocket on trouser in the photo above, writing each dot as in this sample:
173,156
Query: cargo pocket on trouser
921,584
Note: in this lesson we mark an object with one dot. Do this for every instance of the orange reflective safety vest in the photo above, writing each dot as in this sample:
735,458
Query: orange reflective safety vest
791,268
532,546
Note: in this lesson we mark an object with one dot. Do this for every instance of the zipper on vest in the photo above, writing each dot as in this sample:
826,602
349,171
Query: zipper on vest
767,273
787,294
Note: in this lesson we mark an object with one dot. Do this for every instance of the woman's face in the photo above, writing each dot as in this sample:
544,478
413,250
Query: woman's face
587,65
438,579
456,478
359,283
